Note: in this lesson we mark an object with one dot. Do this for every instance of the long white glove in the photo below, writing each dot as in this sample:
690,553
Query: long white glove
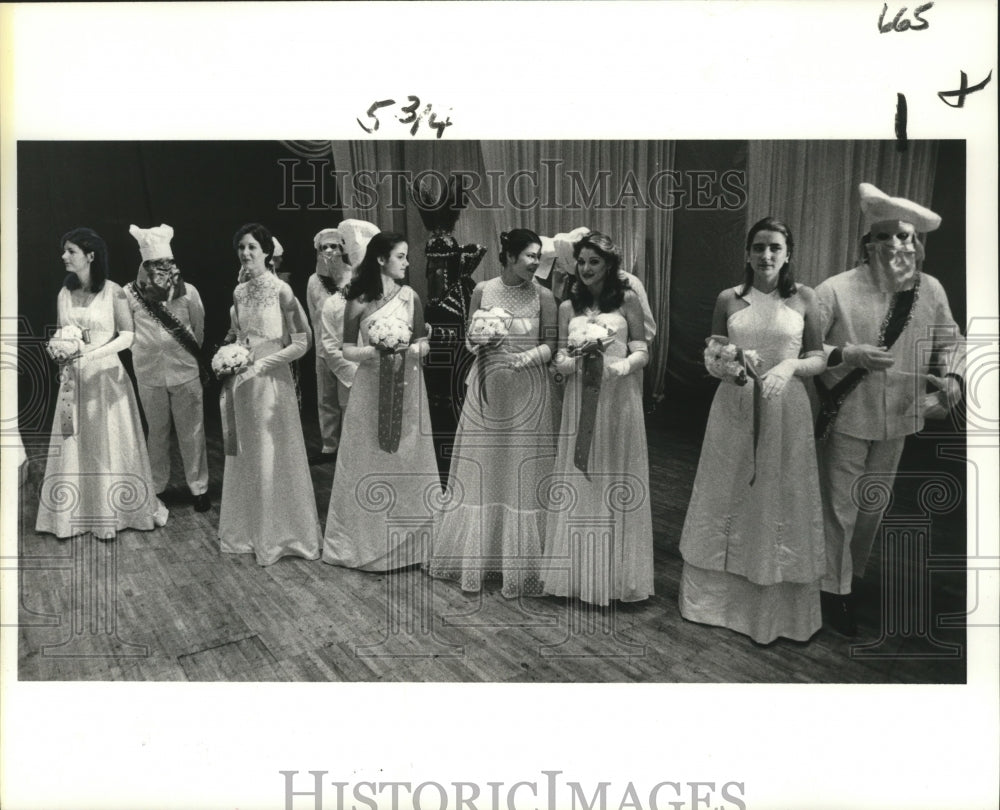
293,351
420,347
535,356
118,344
564,363
360,354
637,359
773,382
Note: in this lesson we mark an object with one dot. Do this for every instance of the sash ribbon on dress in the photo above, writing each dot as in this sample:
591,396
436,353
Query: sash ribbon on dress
593,376
391,374
755,379
68,398
227,407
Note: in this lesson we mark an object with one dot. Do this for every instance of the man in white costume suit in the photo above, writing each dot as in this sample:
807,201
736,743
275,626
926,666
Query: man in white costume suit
887,324
169,329
338,250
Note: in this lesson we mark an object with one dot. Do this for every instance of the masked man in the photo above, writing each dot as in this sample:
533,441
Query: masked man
277,259
169,328
356,234
886,324
334,260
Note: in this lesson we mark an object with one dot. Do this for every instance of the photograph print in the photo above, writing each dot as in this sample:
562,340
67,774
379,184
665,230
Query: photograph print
496,411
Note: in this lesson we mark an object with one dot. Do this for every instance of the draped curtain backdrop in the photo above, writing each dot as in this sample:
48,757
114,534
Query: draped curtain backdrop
684,256
813,187
544,185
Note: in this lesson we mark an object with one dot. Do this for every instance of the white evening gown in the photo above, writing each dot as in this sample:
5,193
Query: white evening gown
382,504
753,555
599,545
268,505
493,521
97,477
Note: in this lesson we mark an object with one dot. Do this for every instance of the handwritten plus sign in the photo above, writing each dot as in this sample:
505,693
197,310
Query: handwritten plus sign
963,91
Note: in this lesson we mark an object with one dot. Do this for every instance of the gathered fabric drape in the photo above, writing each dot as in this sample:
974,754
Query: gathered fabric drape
556,186
813,187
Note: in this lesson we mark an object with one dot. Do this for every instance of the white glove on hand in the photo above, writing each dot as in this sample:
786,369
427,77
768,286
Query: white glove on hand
564,364
864,355
293,351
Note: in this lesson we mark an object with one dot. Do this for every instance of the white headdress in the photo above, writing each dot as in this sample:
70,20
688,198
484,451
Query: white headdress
356,234
557,251
877,206
154,243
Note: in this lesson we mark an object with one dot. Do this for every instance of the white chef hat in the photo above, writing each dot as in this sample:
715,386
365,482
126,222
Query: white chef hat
154,243
877,206
356,234
559,248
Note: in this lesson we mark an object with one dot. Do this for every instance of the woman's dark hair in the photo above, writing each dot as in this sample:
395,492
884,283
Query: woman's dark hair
786,281
88,241
263,237
613,293
367,280
515,241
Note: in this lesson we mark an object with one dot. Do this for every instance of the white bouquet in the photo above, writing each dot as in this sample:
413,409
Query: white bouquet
728,362
230,359
389,334
588,337
489,327
66,343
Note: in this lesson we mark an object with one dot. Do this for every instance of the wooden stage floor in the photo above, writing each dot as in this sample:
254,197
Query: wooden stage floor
166,605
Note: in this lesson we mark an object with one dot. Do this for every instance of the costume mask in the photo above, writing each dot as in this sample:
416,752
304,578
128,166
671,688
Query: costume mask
894,253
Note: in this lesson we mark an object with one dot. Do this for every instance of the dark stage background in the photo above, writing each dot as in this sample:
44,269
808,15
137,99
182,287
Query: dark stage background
207,189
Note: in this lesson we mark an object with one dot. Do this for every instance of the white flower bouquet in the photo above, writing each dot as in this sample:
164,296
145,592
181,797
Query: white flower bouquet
489,327
588,338
728,362
389,335
230,359
734,365
66,343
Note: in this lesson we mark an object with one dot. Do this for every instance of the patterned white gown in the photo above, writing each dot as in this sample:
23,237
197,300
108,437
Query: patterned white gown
268,506
493,522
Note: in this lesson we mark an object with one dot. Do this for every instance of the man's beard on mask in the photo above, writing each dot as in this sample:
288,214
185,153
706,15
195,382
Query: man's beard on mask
334,267
896,267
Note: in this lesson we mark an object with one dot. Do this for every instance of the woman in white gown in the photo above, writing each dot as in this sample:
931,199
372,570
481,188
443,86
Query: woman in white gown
599,541
97,475
754,554
386,484
268,506
493,523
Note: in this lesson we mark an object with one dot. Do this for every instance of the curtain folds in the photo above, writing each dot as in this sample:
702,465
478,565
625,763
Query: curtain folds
548,186
813,187
556,186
